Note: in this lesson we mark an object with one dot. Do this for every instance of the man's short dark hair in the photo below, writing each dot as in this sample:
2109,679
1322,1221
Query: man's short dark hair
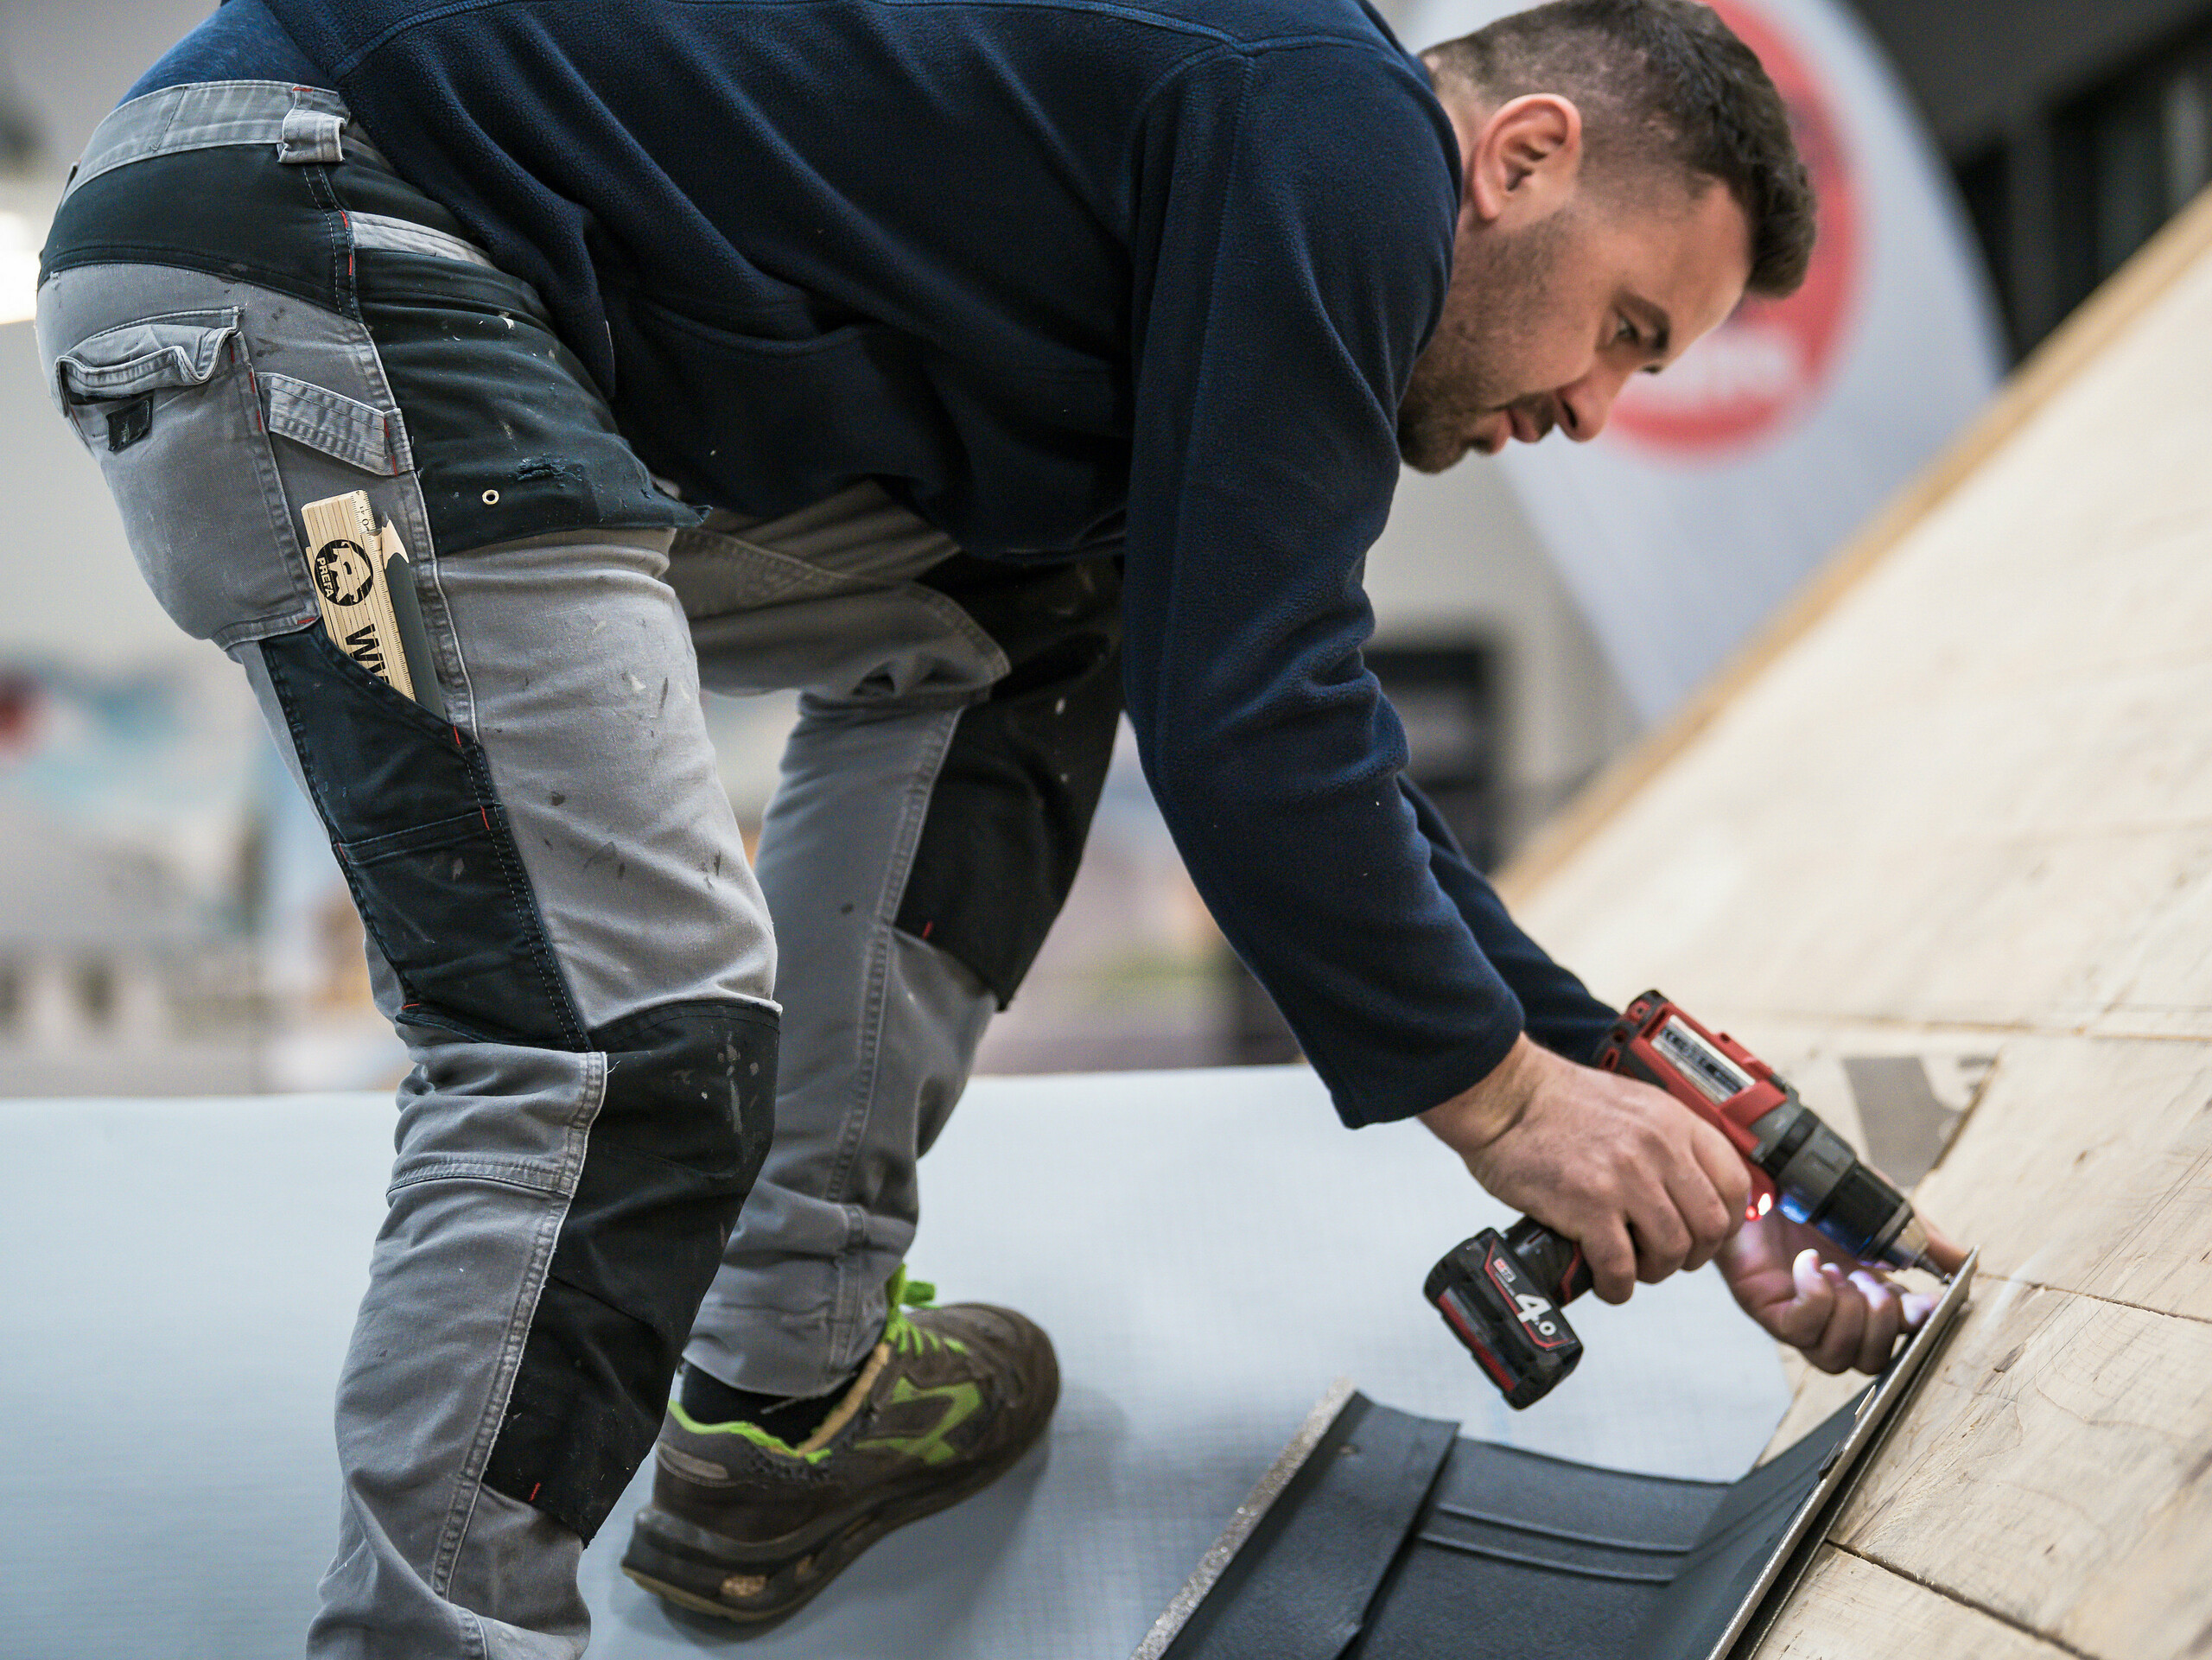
1665,78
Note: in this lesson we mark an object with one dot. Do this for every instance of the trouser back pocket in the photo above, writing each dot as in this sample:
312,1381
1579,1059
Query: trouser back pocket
169,407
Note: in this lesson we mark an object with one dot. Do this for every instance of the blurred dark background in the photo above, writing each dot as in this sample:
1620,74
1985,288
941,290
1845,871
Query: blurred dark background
2074,131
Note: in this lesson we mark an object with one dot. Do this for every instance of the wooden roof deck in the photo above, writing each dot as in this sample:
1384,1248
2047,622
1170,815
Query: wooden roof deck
1958,805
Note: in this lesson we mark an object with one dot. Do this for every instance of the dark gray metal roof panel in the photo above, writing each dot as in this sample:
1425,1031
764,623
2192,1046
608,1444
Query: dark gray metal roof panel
1513,1555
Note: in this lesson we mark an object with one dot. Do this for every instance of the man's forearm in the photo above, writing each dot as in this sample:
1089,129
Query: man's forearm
1560,1011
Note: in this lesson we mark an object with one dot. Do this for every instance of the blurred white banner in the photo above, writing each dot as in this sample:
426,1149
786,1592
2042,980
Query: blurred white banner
1720,485
19,243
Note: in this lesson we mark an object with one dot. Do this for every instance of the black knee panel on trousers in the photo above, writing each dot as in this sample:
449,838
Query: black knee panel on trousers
1012,802
689,1111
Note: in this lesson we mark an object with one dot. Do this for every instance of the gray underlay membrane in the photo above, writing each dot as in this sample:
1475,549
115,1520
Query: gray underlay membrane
1210,1251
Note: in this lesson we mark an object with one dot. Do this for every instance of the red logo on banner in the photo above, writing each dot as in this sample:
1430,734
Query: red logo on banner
1750,376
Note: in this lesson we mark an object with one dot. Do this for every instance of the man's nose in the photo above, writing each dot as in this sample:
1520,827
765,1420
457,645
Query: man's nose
1585,406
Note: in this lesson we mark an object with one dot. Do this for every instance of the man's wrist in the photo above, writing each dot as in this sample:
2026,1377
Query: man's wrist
1486,1109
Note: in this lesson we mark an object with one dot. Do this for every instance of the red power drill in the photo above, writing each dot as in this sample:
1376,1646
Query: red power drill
1502,1293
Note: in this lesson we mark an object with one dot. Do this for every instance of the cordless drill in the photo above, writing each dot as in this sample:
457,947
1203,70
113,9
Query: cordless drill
1502,1294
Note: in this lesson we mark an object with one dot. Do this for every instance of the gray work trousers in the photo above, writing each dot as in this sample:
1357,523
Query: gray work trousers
246,311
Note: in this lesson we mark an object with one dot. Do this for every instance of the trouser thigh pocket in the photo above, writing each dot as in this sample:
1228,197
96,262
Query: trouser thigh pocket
425,847
169,406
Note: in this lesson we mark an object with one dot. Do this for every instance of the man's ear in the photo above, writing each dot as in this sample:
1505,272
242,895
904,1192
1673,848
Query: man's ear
1525,160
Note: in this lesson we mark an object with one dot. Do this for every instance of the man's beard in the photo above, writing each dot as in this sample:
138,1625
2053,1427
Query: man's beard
1500,280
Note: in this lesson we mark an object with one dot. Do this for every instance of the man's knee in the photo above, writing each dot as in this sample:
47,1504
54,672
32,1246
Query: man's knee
1012,802
686,1112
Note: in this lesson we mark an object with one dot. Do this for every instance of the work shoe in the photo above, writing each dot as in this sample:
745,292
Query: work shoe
744,1526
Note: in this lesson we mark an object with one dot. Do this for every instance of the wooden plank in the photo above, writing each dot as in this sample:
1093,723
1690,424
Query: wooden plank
2159,983
2088,1166
2133,1019
1850,1609
2053,1471
2025,932
2079,343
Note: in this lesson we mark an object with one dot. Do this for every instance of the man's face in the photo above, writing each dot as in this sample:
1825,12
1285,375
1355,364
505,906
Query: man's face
1547,315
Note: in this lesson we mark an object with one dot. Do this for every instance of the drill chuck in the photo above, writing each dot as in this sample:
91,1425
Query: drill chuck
1910,1249
1820,1181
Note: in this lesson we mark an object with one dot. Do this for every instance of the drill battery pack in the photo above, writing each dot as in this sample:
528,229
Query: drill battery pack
1508,1318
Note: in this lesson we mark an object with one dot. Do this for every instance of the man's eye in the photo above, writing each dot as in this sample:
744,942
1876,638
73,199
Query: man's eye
1624,332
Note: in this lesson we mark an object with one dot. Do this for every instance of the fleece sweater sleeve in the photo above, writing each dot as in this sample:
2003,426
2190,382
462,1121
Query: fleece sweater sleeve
1300,203
1559,1011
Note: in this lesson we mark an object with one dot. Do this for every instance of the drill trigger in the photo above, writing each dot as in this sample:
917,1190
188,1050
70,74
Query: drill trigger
1563,1291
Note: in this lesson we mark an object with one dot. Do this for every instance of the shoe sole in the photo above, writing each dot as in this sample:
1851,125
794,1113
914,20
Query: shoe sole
689,1575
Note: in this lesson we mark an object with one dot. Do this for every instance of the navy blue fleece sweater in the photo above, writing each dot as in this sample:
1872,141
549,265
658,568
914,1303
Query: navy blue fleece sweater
1065,275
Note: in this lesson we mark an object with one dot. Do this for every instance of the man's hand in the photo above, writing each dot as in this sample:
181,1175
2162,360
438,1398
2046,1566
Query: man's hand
1802,1290
1646,1186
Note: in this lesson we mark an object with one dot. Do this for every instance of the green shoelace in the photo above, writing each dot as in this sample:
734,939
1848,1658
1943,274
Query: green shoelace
902,1334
